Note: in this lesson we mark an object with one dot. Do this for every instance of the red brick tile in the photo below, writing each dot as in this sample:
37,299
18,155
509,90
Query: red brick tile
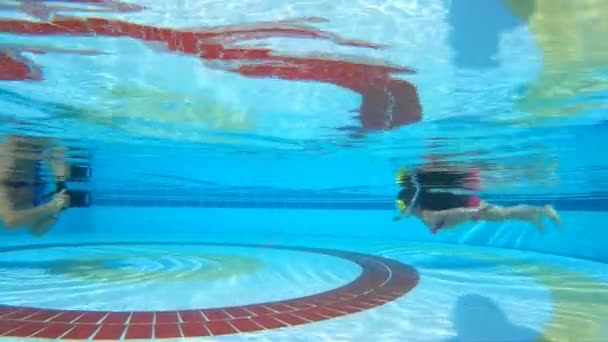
43,316
290,319
268,322
142,318
194,329
55,330
191,316
143,331
298,305
334,297
397,293
66,317
6,309
327,312
81,332
342,309
279,307
310,314
8,326
116,318
91,317
259,310
21,314
28,329
167,317
215,315
345,308
245,325
237,312
110,332
346,295
314,302
366,300
167,330
383,296
359,289
373,297
388,289
359,305
220,328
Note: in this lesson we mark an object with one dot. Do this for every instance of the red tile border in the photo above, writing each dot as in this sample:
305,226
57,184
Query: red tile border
194,330
191,316
220,328
21,314
8,326
381,281
117,318
291,319
278,308
27,329
167,317
43,316
257,310
110,332
215,315
166,330
66,317
6,310
142,318
91,317
312,315
55,330
268,322
238,312
139,331
245,325
81,332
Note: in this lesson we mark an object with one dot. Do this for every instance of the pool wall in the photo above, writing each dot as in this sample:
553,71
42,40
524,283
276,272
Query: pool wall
580,236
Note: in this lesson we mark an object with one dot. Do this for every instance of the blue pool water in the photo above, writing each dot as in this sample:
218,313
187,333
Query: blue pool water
233,169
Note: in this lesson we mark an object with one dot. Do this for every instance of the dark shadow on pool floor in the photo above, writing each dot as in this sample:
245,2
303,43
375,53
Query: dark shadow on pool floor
477,318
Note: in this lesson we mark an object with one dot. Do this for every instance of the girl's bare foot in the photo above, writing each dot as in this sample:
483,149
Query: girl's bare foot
550,211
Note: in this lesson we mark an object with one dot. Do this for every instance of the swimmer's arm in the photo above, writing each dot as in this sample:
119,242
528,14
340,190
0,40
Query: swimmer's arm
13,219
448,218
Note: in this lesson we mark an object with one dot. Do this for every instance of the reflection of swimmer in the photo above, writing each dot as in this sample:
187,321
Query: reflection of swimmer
438,209
22,189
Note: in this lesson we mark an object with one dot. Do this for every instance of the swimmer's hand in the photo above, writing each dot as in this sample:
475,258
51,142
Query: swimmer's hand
61,200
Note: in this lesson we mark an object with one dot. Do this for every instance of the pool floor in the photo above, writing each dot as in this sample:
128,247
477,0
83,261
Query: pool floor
296,289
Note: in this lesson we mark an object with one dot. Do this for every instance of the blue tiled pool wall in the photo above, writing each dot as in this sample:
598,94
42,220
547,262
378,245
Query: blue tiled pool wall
587,202
580,235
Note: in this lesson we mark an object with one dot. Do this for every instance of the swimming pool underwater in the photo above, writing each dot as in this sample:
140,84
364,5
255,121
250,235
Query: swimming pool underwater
244,158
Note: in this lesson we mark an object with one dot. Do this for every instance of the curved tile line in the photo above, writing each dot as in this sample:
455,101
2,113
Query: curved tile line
382,280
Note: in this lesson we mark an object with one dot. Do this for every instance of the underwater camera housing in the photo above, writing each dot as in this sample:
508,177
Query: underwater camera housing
80,173
78,198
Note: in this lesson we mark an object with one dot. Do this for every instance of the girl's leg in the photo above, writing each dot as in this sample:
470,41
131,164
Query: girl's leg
532,214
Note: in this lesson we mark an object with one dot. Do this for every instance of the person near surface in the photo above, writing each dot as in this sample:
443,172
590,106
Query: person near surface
23,201
429,195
